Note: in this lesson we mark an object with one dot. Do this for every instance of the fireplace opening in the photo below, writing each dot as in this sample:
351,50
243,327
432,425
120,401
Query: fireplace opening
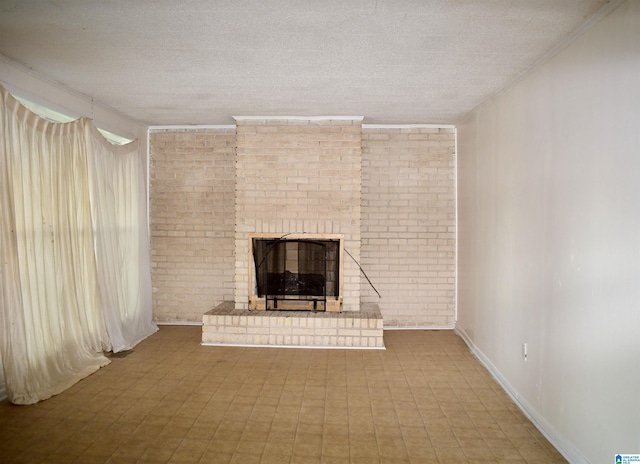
299,273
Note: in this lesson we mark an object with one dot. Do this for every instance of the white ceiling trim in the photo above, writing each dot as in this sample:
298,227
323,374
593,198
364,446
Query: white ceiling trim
192,127
598,13
298,118
302,118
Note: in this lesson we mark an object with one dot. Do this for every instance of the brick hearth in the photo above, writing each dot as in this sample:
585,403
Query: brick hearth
226,325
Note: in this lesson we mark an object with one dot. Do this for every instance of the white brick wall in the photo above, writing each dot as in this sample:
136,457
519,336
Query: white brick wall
408,224
391,188
192,221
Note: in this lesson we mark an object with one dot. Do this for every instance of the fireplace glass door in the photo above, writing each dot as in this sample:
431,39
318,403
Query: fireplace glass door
296,270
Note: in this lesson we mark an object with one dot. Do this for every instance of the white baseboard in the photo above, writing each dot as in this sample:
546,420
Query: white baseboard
564,447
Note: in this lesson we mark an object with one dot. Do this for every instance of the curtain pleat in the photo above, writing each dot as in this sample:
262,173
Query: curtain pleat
57,305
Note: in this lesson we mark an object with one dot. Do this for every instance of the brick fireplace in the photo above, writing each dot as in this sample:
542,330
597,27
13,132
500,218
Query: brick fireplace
299,179
396,210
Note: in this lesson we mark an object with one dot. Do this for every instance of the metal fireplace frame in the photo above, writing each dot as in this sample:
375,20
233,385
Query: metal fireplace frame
280,300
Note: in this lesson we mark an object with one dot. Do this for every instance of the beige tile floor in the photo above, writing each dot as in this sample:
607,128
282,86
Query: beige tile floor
425,399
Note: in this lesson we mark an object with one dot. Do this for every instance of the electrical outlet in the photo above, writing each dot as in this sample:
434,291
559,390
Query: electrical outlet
524,351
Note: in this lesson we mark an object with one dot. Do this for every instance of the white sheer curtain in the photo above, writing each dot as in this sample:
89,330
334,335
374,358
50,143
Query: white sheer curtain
66,293
118,208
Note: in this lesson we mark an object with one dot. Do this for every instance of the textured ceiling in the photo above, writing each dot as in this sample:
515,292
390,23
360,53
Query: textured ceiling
203,61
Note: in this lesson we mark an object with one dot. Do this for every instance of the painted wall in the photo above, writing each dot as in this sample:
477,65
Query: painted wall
549,240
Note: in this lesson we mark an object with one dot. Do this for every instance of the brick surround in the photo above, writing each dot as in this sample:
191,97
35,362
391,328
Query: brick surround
298,176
